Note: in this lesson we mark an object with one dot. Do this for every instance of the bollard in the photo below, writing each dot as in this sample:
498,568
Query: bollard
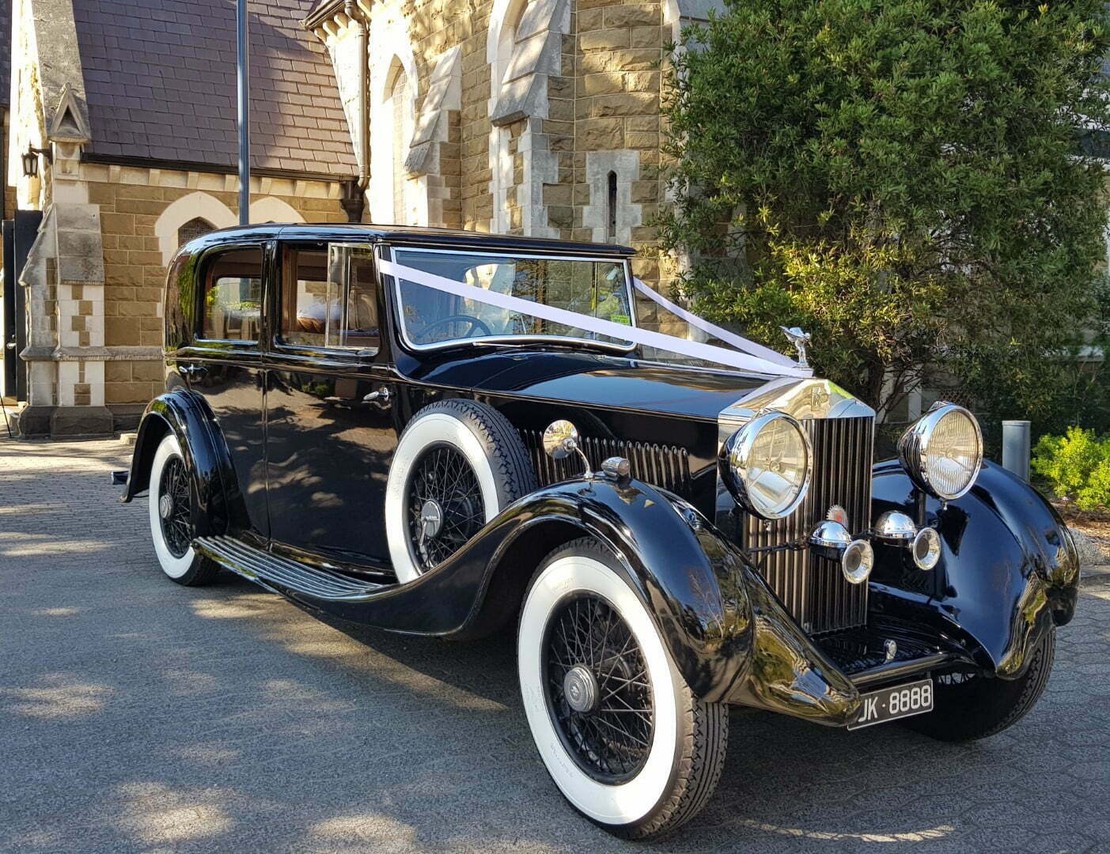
1015,447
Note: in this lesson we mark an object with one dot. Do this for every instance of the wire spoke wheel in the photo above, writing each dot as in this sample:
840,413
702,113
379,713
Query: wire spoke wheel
444,505
175,507
598,689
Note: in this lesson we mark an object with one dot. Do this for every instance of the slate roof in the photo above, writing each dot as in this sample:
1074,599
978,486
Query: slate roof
5,51
160,84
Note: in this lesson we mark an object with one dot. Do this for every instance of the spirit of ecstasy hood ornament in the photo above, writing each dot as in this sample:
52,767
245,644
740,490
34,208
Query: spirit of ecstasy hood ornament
799,338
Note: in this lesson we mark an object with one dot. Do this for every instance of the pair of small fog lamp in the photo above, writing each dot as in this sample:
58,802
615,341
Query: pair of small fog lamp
857,558
767,465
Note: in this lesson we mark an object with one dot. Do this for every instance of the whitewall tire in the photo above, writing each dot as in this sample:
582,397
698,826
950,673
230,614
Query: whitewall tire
172,520
616,726
457,465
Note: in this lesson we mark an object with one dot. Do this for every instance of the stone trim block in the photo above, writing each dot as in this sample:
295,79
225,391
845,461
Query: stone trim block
444,95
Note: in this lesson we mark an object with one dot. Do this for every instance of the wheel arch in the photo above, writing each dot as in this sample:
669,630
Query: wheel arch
186,416
514,566
670,559
152,430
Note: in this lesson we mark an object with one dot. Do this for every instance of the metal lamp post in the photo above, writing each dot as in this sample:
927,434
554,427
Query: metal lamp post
243,69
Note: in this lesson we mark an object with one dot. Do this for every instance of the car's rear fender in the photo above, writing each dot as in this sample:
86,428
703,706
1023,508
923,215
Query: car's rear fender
187,416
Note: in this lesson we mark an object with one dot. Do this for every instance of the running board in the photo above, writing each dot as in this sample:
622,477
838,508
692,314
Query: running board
272,571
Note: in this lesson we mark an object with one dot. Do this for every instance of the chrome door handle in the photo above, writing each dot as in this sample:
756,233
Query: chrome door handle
382,395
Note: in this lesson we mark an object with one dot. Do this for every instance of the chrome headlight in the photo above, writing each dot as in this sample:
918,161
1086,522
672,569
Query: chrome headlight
766,465
943,451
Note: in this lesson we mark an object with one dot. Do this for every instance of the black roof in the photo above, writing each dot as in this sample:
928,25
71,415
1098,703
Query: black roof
400,234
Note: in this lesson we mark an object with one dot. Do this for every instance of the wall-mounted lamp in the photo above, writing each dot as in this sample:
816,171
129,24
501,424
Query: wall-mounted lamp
31,160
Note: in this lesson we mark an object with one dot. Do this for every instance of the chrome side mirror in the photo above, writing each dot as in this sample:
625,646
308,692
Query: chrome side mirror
560,440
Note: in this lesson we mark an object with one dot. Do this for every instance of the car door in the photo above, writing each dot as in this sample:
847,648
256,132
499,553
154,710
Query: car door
223,364
330,424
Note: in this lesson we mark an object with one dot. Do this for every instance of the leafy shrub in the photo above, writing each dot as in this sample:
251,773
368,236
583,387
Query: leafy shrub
903,179
1076,466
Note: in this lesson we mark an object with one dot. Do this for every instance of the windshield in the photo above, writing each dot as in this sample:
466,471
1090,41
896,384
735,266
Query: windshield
429,317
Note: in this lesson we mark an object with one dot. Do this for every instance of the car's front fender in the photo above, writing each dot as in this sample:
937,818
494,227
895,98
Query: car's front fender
726,631
686,576
1008,569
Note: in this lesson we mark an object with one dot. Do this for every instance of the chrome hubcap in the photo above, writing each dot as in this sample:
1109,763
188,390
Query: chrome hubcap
431,518
580,688
165,506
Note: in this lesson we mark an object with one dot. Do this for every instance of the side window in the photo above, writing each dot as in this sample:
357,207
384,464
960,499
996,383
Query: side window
329,298
233,296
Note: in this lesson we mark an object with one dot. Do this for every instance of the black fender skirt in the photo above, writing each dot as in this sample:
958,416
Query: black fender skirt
1008,572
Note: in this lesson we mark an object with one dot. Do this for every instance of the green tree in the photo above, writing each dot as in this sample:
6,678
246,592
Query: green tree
902,178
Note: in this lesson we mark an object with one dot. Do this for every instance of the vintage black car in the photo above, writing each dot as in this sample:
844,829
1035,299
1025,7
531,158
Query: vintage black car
448,434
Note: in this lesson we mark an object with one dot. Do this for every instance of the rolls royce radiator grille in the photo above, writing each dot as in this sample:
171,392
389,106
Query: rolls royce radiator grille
665,466
813,588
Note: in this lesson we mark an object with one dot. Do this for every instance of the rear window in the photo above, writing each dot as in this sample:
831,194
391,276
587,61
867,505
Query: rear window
233,296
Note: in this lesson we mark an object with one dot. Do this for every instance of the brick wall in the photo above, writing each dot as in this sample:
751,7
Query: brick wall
133,264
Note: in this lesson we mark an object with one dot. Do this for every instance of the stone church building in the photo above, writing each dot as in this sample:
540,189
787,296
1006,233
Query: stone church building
537,117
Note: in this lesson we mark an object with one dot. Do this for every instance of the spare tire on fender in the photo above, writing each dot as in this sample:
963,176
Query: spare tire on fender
458,464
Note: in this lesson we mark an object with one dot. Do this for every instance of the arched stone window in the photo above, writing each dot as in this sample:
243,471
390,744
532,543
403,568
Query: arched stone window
191,215
400,113
398,189
502,160
507,40
196,227
524,50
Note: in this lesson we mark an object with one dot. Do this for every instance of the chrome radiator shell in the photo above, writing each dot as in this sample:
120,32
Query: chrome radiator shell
841,431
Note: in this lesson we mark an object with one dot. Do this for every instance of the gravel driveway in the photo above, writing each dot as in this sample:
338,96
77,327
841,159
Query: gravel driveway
139,715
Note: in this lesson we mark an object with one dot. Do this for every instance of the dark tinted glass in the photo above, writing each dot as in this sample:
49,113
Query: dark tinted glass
329,298
233,296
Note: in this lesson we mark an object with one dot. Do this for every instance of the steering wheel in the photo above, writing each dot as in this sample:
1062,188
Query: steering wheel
476,323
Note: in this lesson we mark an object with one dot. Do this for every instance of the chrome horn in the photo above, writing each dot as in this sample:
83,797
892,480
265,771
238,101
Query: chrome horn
831,540
857,562
926,549
895,528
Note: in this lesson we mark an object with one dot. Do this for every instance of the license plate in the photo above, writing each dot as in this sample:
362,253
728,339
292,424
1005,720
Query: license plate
901,701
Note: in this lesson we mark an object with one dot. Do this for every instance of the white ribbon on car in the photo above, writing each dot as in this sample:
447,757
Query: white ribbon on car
754,357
